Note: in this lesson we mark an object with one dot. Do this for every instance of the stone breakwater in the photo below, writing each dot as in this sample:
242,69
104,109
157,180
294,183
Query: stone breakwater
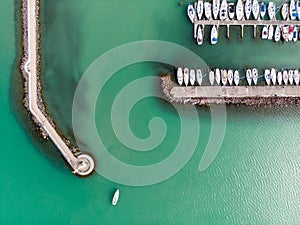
167,85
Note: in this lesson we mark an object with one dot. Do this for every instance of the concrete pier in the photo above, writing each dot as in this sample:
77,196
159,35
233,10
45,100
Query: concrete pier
83,164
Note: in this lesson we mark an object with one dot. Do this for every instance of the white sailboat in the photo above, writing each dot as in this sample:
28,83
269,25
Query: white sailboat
265,32
271,10
199,76
211,76
268,76
291,76
231,10
218,76
254,76
285,11
236,77
285,32
199,9
115,198
179,76
291,32
214,35
279,77
298,9
248,8
263,9
273,76
285,77
295,34
271,32
186,76
255,9
224,77
296,77
230,77
199,37
191,12
277,34
293,10
192,77
249,76
215,8
207,10
239,10
223,10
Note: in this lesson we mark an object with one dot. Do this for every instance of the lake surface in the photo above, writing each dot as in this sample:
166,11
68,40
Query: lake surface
253,180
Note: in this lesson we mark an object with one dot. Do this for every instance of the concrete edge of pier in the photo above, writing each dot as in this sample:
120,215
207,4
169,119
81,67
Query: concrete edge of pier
81,164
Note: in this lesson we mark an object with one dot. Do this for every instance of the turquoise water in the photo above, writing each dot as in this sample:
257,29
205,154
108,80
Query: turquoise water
253,180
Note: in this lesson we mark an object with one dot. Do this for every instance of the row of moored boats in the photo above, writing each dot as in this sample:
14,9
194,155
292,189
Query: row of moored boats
232,77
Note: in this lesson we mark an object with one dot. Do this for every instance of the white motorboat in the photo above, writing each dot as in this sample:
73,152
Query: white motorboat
115,198
199,76
224,77
211,76
254,76
223,10
291,76
271,32
273,76
296,77
263,9
298,8
285,32
207,10
236,77
199,37
279,77
248,9
215,8
295,34
179,76
239,10
277,34
191,12
271,10
192,77
199,9
285,77
285,11
230,77
231,10
186,76
268,76
255,9
293,10
291,32
218,76
249,76
214,35
265,32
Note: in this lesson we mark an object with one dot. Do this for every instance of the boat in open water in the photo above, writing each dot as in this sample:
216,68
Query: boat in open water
199,8
207,10
285,77
249,76
255,9
115,198
192,77
211,76
186,76
273,76
199,76
199,37
215,8
248,9
179,76
218,76
239,10
214,35
291,76
231,10
268,76
285,11
223,10
279,77
224,77
263,9
230,76
265,32
296,77
271,10
191,12
254,76
236,77
277,34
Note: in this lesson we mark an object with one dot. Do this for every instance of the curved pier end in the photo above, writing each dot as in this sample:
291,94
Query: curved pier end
83,164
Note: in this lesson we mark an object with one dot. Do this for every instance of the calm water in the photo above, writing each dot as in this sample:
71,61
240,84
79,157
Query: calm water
254,179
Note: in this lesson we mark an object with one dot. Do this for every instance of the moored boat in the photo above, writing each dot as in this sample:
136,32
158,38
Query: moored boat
293,10
285,32
279,77
291,32
236,77
115,198
199,8
255,9
285,11
273,76
230,76
199,76
179,76
265,32
285,77
298,9
248,9
218,76
207,10
254,76
214,35
223,10
295,34
277,34
263,9
239,10
192,77
211,76
291,76
186,76
224,77
199,37
271,32
249,76
215,8
296,77
191,12
268,76
271,10
231,10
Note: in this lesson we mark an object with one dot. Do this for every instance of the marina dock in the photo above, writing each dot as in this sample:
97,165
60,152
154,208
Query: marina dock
83,164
